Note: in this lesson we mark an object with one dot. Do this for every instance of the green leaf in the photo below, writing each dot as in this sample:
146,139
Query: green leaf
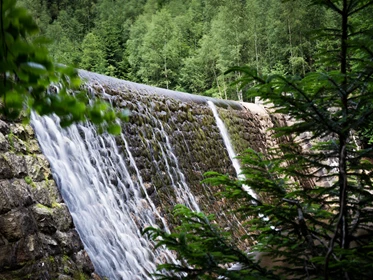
114,129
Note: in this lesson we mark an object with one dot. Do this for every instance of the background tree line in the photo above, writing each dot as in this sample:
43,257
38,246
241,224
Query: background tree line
183,45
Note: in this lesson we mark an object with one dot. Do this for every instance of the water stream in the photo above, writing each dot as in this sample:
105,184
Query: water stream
228,144
105,192
105,201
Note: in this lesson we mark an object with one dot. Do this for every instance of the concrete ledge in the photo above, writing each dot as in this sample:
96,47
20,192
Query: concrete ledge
117,85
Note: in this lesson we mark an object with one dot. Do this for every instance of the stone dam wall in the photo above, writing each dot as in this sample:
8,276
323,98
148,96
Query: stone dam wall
172,137
193,135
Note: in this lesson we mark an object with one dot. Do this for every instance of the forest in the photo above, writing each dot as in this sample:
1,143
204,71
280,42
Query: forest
184,45
312,59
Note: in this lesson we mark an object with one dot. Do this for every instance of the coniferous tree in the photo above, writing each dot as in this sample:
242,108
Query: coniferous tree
39,12
93,57
160,51
65,34
312,219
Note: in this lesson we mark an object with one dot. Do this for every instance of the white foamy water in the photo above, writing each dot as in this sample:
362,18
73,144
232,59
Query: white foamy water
105,192
181,188
106,203
228,144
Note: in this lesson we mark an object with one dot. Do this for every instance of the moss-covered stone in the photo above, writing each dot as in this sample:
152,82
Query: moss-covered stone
31,212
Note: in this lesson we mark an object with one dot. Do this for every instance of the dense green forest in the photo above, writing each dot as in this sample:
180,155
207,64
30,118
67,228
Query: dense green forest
183,45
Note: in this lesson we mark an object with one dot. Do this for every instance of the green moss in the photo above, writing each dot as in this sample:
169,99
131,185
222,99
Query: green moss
5,157
27,146
201,134
46,179
190,116
56,204
80,276
11,137
65,262
43,207
30,182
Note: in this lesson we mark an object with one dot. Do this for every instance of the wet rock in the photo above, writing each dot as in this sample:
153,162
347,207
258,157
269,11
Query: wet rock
17,145
44,218
64,277
33,146
162,115
69,241
6,171
7,201
50,244
4,144
54,194
41,194
31,212
36,168
4,127
94,276
20,131
146,174
16,224
6,256
61,217
84,262
171,105
28,248
22,192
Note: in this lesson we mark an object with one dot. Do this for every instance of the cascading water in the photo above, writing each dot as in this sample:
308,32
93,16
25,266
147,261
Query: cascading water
103,198
184,195
224,134
116,186
228,144
106,194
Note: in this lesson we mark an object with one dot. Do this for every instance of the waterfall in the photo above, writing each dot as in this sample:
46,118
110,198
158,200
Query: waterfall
109,206
228,144
184,195
115,186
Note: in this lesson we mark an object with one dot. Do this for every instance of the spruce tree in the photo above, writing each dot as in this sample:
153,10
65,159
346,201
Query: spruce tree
313,217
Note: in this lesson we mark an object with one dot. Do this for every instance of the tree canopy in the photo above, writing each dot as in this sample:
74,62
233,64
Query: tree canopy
184,45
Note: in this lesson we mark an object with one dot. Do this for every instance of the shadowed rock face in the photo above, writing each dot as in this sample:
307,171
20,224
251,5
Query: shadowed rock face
37,236
173,139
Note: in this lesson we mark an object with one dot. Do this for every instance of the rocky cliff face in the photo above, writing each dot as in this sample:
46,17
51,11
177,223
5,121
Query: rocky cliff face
37,235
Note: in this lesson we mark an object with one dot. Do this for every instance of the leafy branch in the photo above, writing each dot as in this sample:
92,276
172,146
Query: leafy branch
27,72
